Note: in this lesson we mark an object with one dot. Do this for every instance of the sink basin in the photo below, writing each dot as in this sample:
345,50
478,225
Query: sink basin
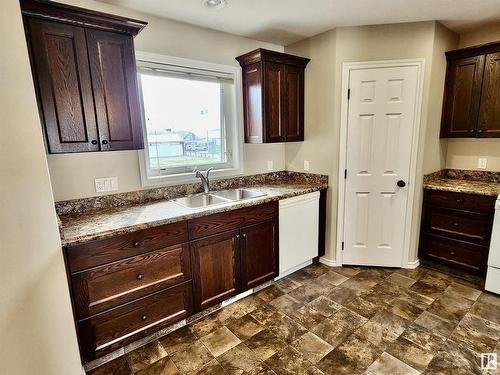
201,200
238,194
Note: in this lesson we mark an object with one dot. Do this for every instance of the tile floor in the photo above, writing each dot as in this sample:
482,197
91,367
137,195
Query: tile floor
344,320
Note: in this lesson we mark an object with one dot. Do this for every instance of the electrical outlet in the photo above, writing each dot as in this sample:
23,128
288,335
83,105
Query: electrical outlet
306,165
270,165
481,163
105,184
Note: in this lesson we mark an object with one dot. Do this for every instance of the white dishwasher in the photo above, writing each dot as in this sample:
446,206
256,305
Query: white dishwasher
298,232
493,273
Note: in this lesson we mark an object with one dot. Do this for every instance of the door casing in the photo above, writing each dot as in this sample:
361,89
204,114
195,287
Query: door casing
344,112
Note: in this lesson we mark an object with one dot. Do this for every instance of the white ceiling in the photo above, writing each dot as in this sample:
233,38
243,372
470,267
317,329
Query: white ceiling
287,21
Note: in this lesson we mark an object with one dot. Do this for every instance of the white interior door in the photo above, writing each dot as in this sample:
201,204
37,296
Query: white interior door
381,114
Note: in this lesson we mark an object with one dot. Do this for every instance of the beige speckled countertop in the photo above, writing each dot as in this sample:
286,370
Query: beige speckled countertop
86,226
470,182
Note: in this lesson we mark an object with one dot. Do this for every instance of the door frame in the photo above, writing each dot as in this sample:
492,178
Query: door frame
344,113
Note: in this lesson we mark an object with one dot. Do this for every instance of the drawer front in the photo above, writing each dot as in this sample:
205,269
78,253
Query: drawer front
112,329
467,225
466,202
459,254
96,253
225,221
101,288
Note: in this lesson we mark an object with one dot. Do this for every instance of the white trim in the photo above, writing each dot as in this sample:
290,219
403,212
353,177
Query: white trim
328,262
237,148
293,269
412,265
344,112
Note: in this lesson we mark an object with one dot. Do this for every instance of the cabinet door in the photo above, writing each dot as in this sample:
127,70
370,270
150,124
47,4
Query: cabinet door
461,97
274,110
216,268
489,113
62,77
252,102
114,78
259,253
294,103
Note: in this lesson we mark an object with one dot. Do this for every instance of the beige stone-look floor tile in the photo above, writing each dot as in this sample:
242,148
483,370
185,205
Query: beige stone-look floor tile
289,361
429,290
286,284
410,353
266,314
142,357
238,309
118,366
401,280
490,298
386,364
332,332
270,293
316,270
245,327
486,310
459,356
450,306
383,329
308,317
436,324
178,340
261,370
477,333
220,341
464,291
416,299
311,347
205,325
324,306
353,356
423,337
192,358
363,307
348,271
361,282
343,295
239,360
287,303
164,366
404,309
333,278
265,344
307,293
301,277
211,368
413,273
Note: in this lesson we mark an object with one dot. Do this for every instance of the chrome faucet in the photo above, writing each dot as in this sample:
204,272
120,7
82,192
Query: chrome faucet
204,179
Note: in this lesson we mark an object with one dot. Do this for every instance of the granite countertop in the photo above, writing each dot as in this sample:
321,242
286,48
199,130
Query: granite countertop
461,181
81,227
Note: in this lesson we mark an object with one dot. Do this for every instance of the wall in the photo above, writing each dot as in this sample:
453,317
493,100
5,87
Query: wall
37,334
72,175
464,153
323,100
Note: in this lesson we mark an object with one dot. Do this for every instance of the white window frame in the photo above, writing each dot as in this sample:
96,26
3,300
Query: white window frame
236,130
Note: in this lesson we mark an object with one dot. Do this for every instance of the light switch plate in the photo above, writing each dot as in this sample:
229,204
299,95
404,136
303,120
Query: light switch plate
306,165
106,184
481,163
270,165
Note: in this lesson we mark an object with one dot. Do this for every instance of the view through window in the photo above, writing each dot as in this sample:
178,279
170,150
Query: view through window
185,120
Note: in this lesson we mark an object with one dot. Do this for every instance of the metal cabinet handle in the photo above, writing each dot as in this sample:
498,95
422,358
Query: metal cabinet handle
140,276
456,223
136,244
452,253
144,317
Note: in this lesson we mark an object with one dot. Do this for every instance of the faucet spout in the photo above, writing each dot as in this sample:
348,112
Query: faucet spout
205,181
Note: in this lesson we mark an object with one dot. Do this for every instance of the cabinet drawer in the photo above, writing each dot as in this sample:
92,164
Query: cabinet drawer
470,226
103,287
225,221
460,201
98,252
114,328
459,254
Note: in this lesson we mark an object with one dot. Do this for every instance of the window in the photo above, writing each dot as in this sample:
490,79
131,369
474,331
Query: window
189,117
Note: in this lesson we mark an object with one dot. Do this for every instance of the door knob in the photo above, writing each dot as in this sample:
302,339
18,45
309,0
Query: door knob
401,183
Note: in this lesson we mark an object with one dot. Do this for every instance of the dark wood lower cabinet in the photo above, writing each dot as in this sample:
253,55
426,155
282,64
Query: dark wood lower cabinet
259,253
216,271
105,332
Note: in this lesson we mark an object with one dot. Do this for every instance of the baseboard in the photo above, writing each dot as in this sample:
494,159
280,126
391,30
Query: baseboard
293,269
413,264
328,262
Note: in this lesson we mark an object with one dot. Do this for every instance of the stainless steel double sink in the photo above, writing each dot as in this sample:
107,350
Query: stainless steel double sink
218,197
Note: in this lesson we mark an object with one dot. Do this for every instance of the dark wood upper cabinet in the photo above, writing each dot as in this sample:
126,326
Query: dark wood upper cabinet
471,107
273,96
259,253
85,77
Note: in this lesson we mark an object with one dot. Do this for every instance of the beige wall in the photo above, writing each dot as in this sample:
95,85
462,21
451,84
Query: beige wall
323,99
72,175
464,153
37,334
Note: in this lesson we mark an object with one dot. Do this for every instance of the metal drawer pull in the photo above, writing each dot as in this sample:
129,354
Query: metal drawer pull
456,223
140,276
136,244
452,253
460,200
144,317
